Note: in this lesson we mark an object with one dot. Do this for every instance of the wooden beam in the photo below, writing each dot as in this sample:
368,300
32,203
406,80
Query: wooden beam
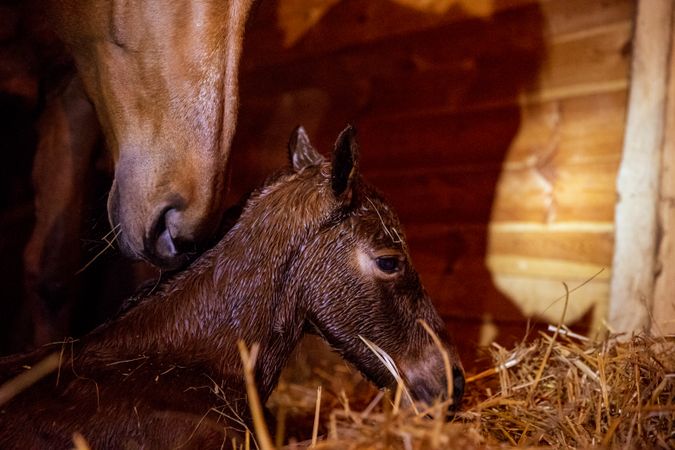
634,266
663,311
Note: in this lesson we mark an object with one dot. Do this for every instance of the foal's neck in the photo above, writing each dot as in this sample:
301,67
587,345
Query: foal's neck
235,291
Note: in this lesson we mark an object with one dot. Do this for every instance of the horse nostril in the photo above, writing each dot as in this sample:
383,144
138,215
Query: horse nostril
160,245
457,386
164,247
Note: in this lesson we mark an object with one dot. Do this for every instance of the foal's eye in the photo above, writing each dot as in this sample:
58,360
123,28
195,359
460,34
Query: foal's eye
388,264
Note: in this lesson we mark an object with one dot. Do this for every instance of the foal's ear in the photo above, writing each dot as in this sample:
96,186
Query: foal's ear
345,164
300,150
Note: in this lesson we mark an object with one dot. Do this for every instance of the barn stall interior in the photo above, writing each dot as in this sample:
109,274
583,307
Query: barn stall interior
505,133
495,128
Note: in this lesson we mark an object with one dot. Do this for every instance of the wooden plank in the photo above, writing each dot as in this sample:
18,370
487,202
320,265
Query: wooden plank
450,259
354,22
547,243
584,63
557,194
347,24
451,262
446,168
607,50
663,312
462,194
565,18
444,47
442,247
638,179
581,130
437,140
479,78
453,296
549,269
530,262
457,68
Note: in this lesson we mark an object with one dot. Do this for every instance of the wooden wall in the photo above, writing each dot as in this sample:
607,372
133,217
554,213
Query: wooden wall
552,220
494,127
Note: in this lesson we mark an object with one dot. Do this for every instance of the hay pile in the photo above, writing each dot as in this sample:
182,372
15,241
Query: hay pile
558,390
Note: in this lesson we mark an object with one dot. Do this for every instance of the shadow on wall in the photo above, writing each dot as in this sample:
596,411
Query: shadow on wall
434,96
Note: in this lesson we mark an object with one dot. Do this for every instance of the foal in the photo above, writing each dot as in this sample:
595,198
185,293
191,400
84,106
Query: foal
315,249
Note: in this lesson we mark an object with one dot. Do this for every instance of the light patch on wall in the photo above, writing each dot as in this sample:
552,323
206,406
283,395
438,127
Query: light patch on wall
297,17
480,8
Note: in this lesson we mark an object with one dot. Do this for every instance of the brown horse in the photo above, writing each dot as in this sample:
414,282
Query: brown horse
159,80
315,249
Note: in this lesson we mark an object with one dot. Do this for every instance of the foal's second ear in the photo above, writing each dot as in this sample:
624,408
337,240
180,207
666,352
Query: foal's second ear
300,150
345,164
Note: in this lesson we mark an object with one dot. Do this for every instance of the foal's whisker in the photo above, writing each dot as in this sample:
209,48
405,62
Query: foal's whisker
390,365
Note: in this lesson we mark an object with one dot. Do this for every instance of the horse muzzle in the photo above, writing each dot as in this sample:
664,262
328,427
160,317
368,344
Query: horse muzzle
161,242
426,379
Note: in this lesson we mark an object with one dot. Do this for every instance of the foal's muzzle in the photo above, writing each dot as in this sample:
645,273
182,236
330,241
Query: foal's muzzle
427,381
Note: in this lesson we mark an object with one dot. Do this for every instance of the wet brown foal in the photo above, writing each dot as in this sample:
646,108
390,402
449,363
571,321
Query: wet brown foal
315,249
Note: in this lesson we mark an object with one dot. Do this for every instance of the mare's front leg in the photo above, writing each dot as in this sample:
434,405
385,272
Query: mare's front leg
68,134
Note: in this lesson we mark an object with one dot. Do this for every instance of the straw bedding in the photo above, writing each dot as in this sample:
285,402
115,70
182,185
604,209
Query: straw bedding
555,390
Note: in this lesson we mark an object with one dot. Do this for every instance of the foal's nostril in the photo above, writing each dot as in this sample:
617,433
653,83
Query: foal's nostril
457,386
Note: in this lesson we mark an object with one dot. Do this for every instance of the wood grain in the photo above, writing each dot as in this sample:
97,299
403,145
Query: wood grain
663,312
514,119
638,179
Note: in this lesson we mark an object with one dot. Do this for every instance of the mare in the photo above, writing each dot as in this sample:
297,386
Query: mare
316,249
158,80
